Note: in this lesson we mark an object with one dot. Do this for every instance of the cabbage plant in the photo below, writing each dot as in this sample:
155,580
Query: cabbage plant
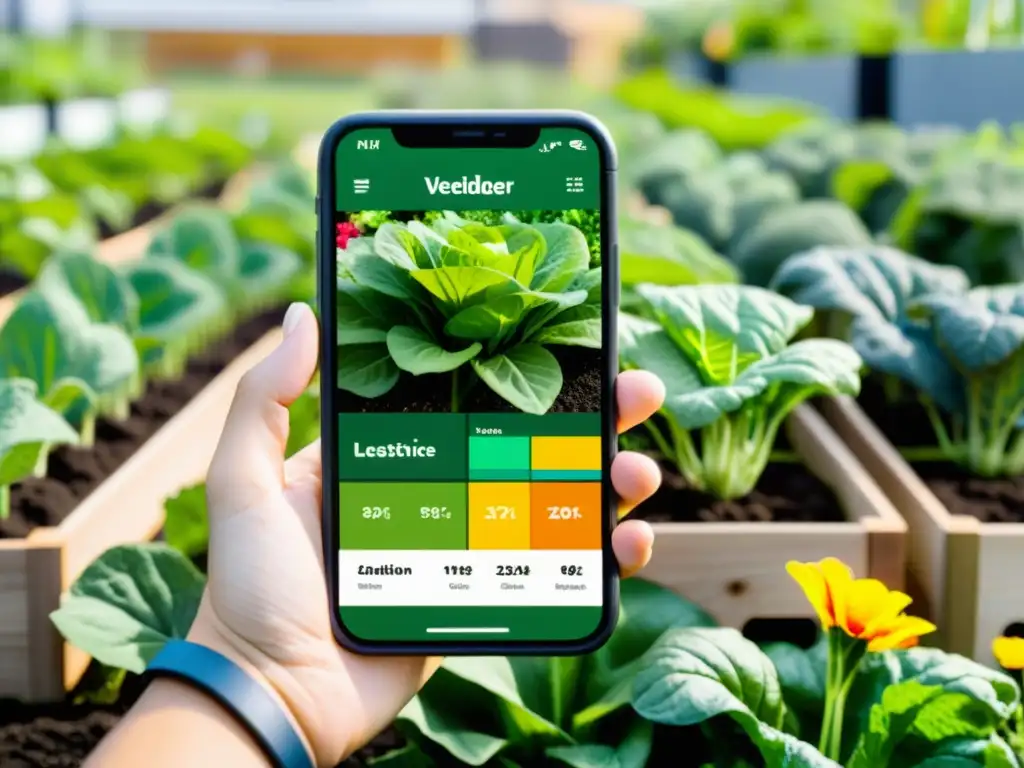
961,350
466,300
28,430
731,374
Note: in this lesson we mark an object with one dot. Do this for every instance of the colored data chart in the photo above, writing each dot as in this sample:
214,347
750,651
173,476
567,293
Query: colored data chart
511,482
535,458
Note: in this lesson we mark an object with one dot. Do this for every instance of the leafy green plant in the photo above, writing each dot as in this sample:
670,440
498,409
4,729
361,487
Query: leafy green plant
666,255
67,336
586,221
960,350
431,300
731,375
252,273
792,229
28,430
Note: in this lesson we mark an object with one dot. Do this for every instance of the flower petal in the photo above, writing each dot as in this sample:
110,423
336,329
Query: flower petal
895,603
1009,652
902,634
866,600
812,582
838,578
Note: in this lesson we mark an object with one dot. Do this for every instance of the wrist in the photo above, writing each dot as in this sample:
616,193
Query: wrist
205,633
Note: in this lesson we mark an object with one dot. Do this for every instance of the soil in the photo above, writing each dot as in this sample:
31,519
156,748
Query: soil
905,424
74,473
61,735
786,493
581,390
150,210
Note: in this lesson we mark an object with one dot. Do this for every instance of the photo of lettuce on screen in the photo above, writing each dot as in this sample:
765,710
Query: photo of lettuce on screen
458,315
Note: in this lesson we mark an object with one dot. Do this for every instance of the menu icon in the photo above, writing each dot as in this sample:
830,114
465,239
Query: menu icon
573,183
360,186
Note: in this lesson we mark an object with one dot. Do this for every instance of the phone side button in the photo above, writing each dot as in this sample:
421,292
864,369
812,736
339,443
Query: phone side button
617,277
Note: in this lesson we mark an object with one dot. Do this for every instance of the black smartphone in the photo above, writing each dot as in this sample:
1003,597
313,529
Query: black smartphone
468,289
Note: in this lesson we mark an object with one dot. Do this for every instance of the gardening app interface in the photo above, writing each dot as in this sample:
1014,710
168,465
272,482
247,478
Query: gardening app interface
469,389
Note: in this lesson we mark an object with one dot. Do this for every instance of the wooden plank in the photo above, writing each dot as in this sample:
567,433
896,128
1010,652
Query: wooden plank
736,571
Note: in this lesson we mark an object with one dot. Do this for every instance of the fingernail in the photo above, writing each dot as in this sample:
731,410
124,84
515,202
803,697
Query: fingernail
292,318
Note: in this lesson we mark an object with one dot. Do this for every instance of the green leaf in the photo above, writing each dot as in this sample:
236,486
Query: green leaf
366,370
890,721
668,255
186,526
693,675
528,376
265,269
802,677
49,338
794,229
467,746
27,431
495,318
365,315
128,603
409,756
414,351
578,326
982,697
878,287
106,296
455,286
633,752
373,272
567,254
175,302
201,237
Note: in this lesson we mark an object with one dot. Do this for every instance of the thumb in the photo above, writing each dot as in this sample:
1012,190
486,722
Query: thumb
248,463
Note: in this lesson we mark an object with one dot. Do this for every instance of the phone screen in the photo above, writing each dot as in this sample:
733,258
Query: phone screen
471,391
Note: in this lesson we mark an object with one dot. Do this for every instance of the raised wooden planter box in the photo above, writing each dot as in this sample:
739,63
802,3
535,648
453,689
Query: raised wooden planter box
965,575
35,663
737,571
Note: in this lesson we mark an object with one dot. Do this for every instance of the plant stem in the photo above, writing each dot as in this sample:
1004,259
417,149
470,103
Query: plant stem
5,502
455,391
844,655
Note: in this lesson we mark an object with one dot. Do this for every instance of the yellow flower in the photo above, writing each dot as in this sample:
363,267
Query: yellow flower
1009,652
863,608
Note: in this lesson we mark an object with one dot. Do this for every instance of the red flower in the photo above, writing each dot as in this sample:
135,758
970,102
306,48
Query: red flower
345,230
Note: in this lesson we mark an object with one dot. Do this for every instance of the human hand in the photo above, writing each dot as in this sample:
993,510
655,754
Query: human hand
265,604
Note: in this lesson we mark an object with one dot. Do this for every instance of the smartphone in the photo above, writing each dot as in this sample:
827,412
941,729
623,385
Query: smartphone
468,288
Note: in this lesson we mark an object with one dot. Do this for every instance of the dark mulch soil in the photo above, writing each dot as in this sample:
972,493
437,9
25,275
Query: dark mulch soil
905,424
581,390
11,282
787,492
74,473
62,735
150,210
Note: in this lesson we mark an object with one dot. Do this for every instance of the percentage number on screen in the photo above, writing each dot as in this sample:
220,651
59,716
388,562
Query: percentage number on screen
500,513
377,513
435,513
564,513
572,570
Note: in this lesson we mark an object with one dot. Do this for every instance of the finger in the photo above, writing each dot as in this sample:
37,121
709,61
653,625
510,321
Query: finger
633,543
635,478
304,465
249,460
639,395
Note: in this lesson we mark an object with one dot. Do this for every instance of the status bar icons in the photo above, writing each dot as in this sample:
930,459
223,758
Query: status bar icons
578,145
360,186
574,184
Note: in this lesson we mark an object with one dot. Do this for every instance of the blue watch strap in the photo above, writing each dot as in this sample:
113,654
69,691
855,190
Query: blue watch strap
246,699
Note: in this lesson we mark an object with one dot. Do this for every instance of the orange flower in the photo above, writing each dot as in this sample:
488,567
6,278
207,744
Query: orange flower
719,41
1009,652
865,609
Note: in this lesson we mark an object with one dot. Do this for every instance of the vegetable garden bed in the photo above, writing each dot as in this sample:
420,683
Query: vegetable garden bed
735,568
146,345
966,533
